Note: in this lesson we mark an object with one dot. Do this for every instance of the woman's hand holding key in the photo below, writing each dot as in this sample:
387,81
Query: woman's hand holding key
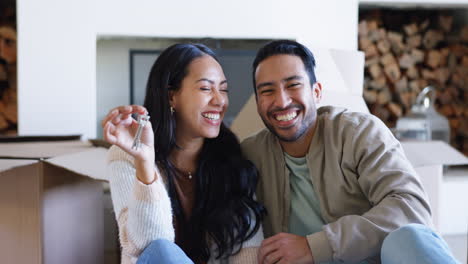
120,129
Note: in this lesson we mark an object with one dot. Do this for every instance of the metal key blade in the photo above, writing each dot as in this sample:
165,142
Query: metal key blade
142,120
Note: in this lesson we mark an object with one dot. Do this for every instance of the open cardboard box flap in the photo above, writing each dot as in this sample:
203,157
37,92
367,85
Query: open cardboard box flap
76,156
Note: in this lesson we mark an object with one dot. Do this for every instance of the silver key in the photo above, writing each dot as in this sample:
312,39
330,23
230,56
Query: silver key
142,120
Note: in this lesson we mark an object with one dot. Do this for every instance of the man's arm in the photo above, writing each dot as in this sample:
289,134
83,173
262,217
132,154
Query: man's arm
391,186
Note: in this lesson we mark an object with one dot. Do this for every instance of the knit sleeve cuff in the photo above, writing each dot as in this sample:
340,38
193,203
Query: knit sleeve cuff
320,247
149,192
247,255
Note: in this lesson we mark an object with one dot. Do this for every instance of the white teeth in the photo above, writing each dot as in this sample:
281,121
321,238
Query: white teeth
286,117
211,116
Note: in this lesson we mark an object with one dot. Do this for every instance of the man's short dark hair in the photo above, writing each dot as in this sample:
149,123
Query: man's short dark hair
287,47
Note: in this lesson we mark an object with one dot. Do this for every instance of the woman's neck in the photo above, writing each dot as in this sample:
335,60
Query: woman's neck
185,155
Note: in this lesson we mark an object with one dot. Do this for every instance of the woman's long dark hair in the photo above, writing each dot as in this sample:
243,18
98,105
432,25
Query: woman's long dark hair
224,210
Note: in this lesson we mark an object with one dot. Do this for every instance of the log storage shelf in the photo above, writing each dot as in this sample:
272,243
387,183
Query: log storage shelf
407,50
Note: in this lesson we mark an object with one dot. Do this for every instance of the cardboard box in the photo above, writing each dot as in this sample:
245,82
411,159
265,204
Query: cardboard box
51,202
447,188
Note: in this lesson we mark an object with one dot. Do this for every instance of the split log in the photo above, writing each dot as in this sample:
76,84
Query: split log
383,97
424,25
364,43
423,83
464,34
411,29
402,85
418,55
3,122
445,23
396,42
363,30
444,53
371,61
454,123
371,51
414,86
458,50
379,83
458,110
457,80
444,97
384,46
432,38
370,96
454,91
375,71
412,73
452,61
11,113
393,72
464,62
447,110
388,59
372,25
433,59
414,41
406,61
376,35
442,75
404,97
395,109
381,112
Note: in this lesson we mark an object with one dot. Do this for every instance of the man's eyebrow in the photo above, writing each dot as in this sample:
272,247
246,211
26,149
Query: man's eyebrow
264,84
223,82
294,77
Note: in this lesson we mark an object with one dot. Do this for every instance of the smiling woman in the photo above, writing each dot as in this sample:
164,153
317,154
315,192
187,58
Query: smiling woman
188,183
201,101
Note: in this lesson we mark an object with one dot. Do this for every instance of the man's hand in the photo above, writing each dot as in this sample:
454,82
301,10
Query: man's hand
285,248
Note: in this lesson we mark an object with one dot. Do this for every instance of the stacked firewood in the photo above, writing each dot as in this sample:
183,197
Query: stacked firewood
403,58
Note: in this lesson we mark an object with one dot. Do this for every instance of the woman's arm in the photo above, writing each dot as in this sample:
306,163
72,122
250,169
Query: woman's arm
143,212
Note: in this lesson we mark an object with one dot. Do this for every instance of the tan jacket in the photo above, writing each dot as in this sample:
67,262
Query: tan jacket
365,185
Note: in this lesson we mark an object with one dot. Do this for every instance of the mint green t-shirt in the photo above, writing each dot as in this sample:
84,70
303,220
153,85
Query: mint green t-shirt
304,217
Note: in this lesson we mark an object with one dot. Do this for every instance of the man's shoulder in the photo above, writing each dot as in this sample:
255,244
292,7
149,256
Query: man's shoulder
338,116
342,123
257,143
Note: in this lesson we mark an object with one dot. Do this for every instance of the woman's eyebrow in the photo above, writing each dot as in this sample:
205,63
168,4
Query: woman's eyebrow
205,80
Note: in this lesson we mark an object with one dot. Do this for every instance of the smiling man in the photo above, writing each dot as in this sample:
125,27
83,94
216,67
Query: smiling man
335,183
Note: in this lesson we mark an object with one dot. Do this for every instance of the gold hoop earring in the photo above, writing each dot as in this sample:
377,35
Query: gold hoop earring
172,110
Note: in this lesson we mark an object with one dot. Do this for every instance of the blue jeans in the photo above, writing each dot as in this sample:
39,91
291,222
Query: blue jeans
163,251
409,244
415,243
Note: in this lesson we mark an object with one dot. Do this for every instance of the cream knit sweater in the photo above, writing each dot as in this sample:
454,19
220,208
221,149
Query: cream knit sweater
144,212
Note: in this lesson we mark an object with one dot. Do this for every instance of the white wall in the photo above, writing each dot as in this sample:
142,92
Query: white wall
57,44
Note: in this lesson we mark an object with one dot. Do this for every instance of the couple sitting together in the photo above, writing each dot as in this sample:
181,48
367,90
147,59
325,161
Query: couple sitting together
319,185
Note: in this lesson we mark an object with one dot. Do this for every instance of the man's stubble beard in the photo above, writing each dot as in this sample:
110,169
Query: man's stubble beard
306,124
